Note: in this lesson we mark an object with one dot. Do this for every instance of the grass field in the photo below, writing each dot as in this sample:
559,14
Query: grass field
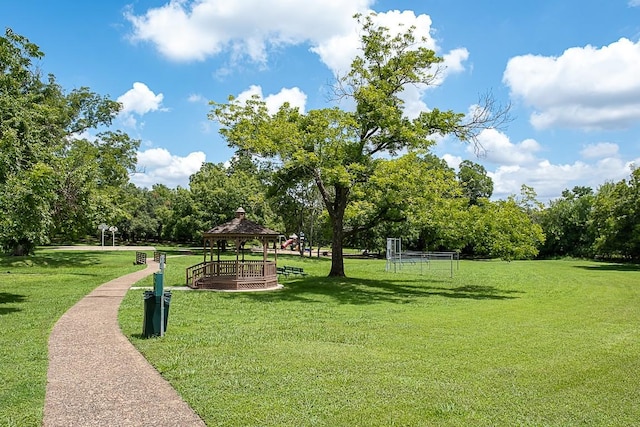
523,343
34,292
537,343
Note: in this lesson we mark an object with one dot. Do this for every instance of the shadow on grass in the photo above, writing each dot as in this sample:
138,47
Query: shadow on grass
7,298
610,267
368,291
49,259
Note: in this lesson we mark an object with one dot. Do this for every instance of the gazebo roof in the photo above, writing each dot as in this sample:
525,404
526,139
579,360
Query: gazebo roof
240,227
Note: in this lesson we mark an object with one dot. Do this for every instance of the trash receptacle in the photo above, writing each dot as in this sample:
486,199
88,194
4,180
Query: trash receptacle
152,315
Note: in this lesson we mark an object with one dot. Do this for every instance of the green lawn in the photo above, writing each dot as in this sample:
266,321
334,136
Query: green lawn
34,292
540,343
520,343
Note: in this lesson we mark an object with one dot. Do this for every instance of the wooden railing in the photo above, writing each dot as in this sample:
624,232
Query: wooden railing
195,272
241,270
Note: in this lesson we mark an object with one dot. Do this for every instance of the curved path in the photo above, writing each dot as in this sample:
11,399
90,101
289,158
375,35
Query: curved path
96,377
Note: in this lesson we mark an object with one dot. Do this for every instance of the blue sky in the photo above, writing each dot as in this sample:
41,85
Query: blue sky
570,69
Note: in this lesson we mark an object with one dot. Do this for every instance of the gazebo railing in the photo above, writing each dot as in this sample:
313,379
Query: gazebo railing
230,269
195,272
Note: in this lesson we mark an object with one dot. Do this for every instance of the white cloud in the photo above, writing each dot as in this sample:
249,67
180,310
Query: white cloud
497,148
138,100
549,180
194,30
159,166
197,98
452,161
337,50
185,31
453,61
600,150
511,165
584,88
294,96
634,3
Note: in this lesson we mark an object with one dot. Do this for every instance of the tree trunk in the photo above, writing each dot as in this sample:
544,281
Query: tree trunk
337,261
337,225
21,248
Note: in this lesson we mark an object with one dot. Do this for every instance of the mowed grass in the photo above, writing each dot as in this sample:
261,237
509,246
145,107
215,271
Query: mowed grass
34,292
535,343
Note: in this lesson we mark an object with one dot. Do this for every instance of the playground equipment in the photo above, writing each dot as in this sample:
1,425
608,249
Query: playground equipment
411,261
295,242
292,240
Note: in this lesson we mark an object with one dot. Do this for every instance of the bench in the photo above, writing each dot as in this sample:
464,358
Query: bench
141,258
282,270
295,270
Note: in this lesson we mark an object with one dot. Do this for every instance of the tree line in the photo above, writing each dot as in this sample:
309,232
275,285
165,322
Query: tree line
425,202
343,178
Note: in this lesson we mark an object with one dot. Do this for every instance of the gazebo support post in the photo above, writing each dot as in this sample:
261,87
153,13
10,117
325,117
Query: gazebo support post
237,260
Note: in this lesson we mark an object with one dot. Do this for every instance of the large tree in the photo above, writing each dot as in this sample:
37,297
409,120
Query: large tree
51,179
503,229
476,184
337,148
615,218
415,196
567,224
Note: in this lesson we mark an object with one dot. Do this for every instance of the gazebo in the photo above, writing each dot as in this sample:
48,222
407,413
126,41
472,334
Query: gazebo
238,274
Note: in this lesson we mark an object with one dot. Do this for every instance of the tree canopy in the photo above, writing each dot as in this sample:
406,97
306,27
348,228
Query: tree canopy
476,184
350,177
54,179
338,149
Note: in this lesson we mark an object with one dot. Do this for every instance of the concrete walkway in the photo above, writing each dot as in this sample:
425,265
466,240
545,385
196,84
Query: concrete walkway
97,378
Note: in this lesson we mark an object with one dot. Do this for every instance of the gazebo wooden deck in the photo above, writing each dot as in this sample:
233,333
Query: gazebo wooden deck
238,274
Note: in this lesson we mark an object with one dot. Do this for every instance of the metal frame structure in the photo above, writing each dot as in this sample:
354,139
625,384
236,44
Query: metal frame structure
429,261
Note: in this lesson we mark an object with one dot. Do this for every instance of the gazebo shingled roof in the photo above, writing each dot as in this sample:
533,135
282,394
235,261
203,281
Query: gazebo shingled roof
240,227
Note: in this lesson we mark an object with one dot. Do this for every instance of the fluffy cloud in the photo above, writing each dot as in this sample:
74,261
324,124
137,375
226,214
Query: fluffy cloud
634,3
159,166
497,148
549,180
511,165
337,50
138,100
186,30
194,30
452,161
602,149
584,88
294,96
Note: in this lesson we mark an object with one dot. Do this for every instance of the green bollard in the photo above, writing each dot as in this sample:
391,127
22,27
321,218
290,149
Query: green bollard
158,284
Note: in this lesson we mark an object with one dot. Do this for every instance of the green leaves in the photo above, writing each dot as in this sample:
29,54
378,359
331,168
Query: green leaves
503,229
338,149
476,184
25,200
51,181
